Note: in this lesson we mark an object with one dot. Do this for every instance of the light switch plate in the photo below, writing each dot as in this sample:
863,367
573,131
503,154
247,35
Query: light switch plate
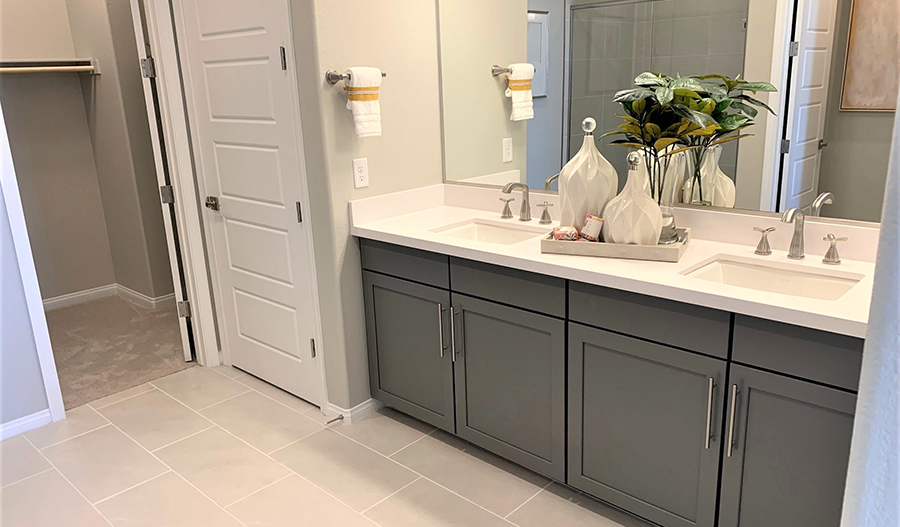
361,172
508,150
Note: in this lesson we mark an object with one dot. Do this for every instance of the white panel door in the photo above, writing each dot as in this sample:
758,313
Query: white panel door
809,95
248,156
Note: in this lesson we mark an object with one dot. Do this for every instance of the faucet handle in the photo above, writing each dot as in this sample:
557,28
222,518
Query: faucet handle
763,249
506,214
832,257
545,216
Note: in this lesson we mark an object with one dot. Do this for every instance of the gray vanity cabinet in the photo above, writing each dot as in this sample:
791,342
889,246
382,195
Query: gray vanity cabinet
644,426
510,383
410,363
790,447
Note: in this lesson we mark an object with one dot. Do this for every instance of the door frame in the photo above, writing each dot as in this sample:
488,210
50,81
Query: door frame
161,41
176,109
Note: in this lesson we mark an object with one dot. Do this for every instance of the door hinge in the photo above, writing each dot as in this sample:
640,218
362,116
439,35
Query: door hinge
167,194
795,48
312,347
184,308
283,59
148,68
785,146
212,203
299,213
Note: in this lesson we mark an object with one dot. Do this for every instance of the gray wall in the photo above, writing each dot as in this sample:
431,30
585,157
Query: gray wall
57,179
399,36
113,103
854,165
21,385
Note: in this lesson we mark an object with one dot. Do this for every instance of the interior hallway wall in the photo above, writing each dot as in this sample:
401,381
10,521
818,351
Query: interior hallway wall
52,152
120,136
855,163
399,36
21,385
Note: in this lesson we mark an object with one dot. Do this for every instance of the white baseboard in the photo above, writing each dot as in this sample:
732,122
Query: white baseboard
121,291
144,300
356,413
25,424
80,296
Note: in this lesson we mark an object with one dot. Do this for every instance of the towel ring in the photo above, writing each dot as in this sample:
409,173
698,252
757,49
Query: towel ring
496,70
334,76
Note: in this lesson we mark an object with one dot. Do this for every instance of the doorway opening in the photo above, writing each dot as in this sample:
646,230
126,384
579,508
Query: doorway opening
105,248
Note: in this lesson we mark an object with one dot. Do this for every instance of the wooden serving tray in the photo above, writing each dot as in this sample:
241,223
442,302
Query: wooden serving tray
657,253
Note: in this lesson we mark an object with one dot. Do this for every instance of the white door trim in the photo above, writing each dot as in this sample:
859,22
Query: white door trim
768,198
161,36
25,259
186,104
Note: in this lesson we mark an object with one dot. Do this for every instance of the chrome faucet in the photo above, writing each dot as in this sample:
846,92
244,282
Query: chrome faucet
825,198
549,181
796,217
525,210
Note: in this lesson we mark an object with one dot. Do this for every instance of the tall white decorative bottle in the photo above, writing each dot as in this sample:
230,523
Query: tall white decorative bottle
587,182
633,216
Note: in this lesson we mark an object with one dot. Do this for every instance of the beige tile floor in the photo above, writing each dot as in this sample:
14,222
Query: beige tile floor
217,447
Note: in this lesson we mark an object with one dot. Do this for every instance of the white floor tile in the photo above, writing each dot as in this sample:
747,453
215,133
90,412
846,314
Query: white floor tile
46,500
166,501
154,419
198,388
78,421
103,462
292,502
261,421
221,466
19,460
424,503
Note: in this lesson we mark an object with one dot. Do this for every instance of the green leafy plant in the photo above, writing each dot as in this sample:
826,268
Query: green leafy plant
694,113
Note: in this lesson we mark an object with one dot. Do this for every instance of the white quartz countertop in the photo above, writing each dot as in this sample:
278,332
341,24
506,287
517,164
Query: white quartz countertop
847,315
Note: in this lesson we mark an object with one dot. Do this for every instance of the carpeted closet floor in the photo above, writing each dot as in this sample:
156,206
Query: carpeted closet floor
108,345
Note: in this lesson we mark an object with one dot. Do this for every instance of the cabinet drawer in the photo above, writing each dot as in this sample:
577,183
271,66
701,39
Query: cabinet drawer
536,292
802,352
686,326
404,262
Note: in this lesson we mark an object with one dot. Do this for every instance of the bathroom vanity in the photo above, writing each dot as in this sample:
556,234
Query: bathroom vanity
681,412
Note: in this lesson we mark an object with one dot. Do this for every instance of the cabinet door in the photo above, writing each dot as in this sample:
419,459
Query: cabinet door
644,426
410,365
510,383
787,465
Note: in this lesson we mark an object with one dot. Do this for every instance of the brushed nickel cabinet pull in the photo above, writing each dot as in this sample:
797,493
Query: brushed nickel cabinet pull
441,327
453,334
709,411
734,394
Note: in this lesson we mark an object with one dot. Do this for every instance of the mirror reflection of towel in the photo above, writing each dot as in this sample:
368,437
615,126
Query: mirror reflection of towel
519,91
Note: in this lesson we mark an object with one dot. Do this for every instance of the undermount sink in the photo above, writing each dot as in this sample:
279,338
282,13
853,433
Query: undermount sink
775,277
492,231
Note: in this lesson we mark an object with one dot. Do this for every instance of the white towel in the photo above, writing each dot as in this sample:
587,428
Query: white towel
520,91
362,100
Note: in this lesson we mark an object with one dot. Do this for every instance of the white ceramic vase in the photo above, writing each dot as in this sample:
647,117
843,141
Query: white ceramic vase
709,165
722,185
633,217
587,182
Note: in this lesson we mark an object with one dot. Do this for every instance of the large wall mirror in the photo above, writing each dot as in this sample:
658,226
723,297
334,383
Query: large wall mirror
829,129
